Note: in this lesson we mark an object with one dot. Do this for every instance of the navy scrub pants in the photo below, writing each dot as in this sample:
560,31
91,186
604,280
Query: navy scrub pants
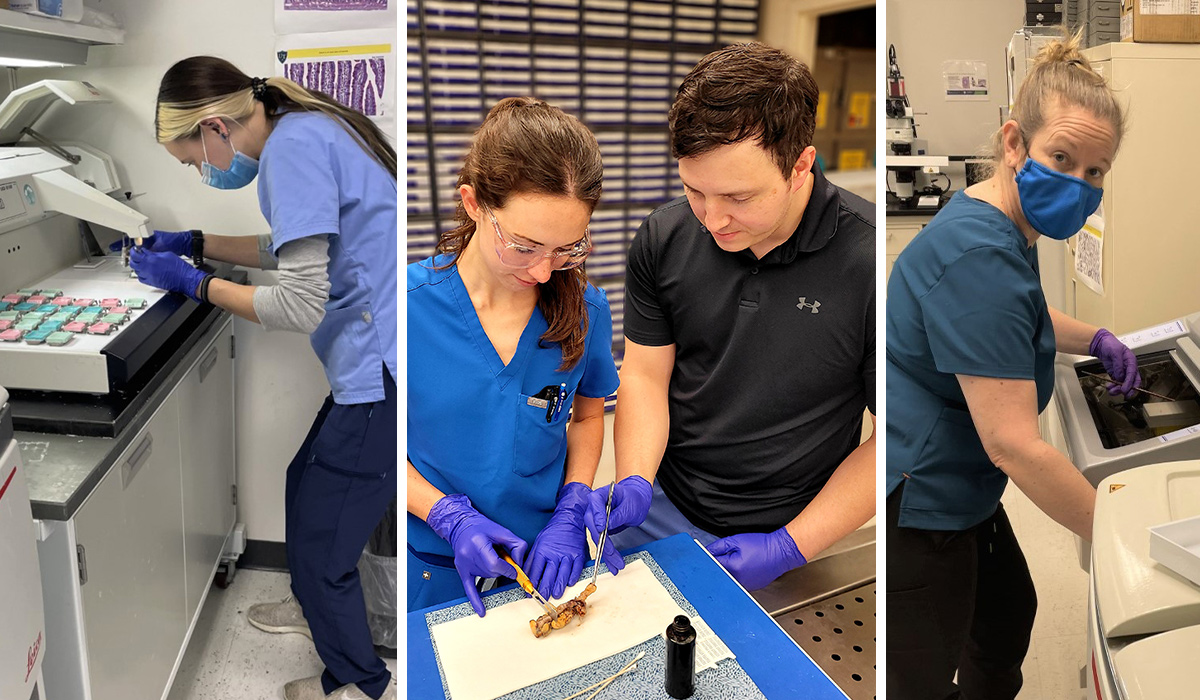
339,485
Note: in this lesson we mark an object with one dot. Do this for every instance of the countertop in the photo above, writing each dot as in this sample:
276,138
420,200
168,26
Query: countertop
63,470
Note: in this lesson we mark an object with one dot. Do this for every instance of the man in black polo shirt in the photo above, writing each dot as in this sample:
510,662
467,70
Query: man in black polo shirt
749,334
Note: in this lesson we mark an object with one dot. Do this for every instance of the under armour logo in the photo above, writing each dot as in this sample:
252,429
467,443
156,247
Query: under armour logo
815,306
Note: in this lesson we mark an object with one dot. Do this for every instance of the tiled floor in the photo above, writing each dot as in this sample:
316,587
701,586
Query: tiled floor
1059,645
229,659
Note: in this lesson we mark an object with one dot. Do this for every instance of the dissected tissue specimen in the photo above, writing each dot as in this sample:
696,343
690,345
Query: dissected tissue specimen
576,607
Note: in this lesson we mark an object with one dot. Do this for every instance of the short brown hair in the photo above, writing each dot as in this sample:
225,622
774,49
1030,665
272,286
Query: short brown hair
527,146
745,91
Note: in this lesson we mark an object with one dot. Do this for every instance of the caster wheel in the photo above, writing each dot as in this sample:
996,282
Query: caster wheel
224,576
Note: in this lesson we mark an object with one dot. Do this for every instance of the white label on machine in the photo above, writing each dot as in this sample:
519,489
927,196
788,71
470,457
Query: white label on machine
1170,7
1150,335
1181,433
11,204
1089,253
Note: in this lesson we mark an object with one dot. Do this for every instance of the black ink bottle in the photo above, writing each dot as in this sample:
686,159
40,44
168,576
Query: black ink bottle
681,658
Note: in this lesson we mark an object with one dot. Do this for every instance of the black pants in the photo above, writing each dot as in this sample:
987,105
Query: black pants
956,601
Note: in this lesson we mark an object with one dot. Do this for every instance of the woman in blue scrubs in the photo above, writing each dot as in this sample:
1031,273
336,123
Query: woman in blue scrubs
508,344
970,352
327,187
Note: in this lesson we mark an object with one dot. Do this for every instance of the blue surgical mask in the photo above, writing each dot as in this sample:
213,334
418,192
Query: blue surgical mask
1056,204
241,172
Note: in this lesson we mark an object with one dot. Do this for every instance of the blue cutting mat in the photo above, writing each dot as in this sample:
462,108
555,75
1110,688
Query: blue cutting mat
728,681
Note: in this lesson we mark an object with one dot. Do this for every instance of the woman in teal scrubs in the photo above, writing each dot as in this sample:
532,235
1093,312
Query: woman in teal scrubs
970,365
508,344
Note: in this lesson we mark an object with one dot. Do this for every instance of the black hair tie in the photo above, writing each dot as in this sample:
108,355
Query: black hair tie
259,87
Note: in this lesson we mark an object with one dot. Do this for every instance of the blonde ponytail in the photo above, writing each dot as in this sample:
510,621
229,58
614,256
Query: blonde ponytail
1061,72
200,87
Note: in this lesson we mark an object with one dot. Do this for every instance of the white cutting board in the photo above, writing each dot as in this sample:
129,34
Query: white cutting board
485,657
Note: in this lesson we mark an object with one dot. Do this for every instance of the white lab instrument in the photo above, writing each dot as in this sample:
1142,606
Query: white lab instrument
1106,435
23,641
46,191
1143,618
1019,54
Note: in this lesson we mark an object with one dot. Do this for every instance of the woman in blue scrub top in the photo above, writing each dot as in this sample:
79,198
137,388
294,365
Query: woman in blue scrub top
508,343
327,187
970,353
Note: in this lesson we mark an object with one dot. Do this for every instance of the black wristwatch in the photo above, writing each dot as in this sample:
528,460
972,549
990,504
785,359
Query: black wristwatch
197,247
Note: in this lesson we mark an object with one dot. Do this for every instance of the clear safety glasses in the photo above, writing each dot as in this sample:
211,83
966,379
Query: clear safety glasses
516,255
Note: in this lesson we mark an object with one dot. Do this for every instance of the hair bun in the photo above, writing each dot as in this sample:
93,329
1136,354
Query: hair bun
1063,50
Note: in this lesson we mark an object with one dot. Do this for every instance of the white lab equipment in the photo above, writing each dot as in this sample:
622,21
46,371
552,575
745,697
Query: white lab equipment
23,643
122,401
1106,434
1143,618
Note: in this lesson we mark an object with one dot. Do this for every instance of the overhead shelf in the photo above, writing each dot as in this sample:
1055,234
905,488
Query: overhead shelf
21,23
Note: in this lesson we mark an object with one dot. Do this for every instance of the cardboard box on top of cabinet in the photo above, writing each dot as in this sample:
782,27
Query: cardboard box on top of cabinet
1165,21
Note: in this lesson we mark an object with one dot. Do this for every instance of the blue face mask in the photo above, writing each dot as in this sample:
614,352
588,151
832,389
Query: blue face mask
241,172
1056,204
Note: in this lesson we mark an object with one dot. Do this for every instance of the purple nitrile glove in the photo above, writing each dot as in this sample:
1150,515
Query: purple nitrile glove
560,550
756,559
630,506
1119,361
472,536
177,242
166,271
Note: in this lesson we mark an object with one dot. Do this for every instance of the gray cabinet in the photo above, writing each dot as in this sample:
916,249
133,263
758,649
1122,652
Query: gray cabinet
131,539
1150,244
207,440
124,577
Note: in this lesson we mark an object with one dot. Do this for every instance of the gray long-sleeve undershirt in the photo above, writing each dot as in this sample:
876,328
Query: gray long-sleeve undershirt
297,302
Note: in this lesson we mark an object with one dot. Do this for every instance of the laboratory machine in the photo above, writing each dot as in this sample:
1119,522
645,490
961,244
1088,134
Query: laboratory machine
1143,617
23,641
122,401
1108,434
908,156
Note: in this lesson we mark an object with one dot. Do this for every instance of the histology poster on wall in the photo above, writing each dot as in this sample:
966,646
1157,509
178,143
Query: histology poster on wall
300,16
356,68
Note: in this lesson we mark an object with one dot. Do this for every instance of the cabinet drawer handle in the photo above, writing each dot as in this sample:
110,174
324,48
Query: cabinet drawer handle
136,460
206,365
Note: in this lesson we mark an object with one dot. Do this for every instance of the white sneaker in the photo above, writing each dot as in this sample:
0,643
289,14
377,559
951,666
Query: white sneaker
351,692
304,689
279,618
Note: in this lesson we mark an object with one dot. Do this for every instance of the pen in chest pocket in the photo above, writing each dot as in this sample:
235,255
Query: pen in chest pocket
549,399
